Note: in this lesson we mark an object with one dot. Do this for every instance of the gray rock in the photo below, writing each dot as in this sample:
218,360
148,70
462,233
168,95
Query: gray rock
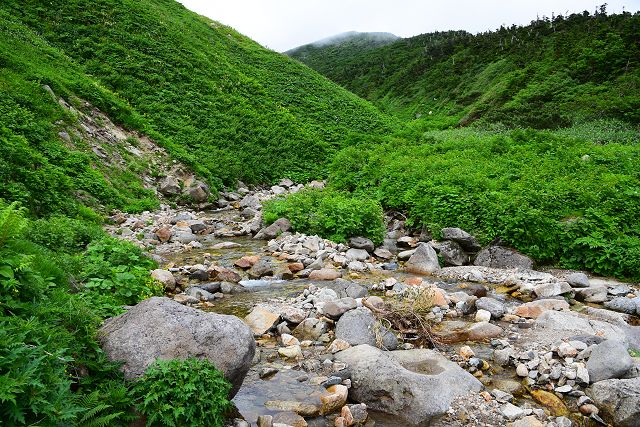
493,306
356,291
414,386
183,235
423,261
335,309
464,239
272,231
578,280
169,186
405,255
200,294
199,191
264,267
618,400
546,290
499,257
249,201
361,243
310,329
452,253
596,294
383,253
357,255
160,328
608,360
623,304
165,277
359,326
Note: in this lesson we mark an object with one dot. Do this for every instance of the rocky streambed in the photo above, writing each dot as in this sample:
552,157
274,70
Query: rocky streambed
353,334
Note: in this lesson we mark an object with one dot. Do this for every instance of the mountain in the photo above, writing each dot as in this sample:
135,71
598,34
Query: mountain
213,98
548,74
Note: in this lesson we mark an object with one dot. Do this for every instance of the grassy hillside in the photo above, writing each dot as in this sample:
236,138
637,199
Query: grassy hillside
217,100
548,74
336,52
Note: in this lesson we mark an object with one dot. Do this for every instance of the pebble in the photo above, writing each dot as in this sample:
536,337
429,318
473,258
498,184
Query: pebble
521,370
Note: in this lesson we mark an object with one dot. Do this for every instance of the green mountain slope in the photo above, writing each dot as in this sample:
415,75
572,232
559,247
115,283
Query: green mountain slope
548,74
217,100
337,51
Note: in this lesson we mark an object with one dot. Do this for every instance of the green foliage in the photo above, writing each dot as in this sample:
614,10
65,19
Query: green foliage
208,94
331,214
555,197
115,274
548,74
52,370
189,392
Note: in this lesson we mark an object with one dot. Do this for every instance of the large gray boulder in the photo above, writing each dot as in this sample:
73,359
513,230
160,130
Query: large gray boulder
618,400
274,230
464,239
423,261
359,326
412,385
160,328
499,257
608,360
452,253
492,305
361,243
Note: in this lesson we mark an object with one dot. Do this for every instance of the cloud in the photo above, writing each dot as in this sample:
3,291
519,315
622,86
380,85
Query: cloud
285,24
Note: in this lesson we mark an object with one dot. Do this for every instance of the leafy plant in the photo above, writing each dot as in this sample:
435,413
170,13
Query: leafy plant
189,392
330,214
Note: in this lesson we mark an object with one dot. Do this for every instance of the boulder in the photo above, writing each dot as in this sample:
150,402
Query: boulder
264,267
546,290
357,255
623,304
249,201
274,230
414,386
492,305
464,239
169,186
160,328
359,326
260,320
325,274
578,280
164,233
247,261
224,274
383,253
452,253
533,309
608,360
361,243
500,257
562,324
595,294
293,314
423,261
335,309
199,192
165,277
618,400
310,329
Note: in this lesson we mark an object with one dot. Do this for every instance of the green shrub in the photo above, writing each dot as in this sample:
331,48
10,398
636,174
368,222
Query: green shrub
331,214
183,393
115,273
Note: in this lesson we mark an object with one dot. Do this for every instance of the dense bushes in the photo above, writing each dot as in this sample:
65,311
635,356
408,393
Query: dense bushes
557,198
330,214
179,393
548,74
54,296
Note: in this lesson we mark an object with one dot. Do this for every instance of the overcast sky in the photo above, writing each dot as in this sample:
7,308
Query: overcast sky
285,24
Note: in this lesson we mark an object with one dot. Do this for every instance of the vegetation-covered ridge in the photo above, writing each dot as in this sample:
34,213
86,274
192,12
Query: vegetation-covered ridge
215,99
548,74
